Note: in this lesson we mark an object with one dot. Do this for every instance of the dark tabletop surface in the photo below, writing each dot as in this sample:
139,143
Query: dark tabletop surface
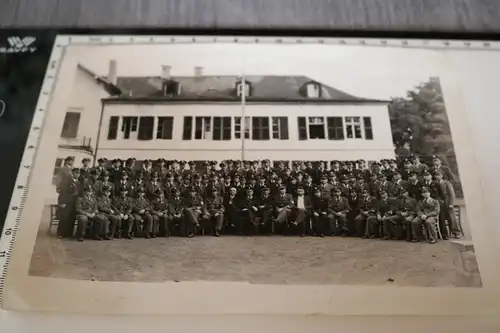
365,15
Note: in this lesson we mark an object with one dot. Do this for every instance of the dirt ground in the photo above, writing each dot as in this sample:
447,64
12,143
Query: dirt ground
263,259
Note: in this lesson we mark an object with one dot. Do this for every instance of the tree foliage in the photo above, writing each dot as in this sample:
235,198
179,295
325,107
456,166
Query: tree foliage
419,121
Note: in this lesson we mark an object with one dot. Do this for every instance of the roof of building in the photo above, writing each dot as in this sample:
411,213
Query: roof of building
268,88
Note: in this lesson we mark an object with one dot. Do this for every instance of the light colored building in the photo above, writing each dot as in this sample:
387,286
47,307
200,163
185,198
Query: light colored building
199,118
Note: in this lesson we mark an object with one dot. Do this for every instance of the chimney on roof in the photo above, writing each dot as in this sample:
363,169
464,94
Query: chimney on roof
112,71
166,72
198,71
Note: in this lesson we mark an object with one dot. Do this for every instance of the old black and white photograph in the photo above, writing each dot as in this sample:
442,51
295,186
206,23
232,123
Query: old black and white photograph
280,164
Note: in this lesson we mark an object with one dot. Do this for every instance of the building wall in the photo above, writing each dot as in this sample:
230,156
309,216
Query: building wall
85,98
292,149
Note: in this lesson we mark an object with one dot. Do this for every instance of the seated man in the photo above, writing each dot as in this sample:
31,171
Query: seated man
265,212
142,214
231,208
387,216
320,213
193,209
175,210
367,206
159,212
406,211
283,206
339,207
427,214
248,209
122,205
299,215
87,211
215,211
111,219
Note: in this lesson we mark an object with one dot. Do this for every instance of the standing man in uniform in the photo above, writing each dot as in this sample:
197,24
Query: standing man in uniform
175,209
446,196
367,216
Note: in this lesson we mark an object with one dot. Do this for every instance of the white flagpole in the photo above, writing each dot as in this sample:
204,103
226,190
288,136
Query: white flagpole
243,122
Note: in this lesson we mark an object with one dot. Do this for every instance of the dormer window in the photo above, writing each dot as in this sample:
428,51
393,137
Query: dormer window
171,88
313,90
243,87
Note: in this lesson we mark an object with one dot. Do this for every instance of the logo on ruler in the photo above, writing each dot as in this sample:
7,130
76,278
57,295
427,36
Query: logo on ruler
19,45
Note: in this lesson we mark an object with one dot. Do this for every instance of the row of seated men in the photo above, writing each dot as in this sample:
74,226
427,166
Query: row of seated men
350,207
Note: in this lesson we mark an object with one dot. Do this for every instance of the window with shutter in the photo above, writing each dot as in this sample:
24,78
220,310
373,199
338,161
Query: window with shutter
260,128
280,128
302,128
165,128
367,124
129,125
113,127
187,128
146,128
335,128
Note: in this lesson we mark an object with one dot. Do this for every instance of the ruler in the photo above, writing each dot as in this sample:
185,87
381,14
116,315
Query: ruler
22,185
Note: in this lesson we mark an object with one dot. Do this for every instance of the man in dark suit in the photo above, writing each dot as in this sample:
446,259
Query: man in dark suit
299,215
266,209
446,197
447,173
175,210
320,213
248,209
231,208
69,191
159,211
339,207
430,184
367,216
142,214
414,186
283,206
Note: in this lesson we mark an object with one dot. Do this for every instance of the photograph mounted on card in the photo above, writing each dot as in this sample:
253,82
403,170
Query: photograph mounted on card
224,177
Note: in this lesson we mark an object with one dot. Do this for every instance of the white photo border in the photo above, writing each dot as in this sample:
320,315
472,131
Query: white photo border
24,292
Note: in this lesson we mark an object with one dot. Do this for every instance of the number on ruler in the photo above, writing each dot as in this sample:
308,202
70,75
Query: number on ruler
27,166
31,147
3,254
8,231
20,187
14,208
36,128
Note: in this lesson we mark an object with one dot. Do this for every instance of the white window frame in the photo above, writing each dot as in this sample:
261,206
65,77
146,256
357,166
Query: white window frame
133,132
325,129
352,123
278,119
316,88
248,125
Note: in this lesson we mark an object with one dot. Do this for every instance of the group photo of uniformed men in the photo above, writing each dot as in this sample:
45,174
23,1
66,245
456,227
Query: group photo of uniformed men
403,199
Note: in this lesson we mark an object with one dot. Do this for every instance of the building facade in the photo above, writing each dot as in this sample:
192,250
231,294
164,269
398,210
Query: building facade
282,130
